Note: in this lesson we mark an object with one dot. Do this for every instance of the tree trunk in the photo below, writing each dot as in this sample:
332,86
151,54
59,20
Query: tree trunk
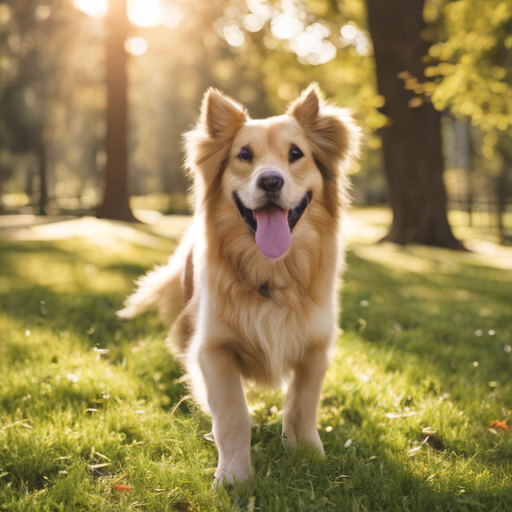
501,189
411,139
116,199
469,174
42,168
29,185
501,184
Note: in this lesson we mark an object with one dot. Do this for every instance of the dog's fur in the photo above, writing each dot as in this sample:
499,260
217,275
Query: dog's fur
236,314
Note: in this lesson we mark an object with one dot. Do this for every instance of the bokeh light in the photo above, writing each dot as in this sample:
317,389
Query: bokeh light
253,22
312,46
171,16
43,12
145,13
136,46
93,8
286,27
233,35
349,32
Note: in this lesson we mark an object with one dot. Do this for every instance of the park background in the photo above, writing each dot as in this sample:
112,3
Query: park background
94,100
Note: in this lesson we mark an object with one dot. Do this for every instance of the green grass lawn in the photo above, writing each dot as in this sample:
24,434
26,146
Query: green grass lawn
423,366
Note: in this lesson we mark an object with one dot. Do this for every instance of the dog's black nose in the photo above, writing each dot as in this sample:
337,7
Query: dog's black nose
270,181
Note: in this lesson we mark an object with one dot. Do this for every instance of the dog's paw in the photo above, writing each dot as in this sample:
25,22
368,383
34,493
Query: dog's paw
310,439
237,471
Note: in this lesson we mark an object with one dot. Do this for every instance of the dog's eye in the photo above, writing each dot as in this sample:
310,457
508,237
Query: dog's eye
295,154
245,155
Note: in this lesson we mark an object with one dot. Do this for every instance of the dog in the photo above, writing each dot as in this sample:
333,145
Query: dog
252,291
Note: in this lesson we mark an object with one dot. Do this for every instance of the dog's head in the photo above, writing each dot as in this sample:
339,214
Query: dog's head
269,172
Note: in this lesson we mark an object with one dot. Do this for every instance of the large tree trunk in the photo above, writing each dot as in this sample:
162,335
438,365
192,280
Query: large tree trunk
116,199
411,139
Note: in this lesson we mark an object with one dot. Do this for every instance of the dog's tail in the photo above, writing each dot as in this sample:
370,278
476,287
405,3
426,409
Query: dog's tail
162,287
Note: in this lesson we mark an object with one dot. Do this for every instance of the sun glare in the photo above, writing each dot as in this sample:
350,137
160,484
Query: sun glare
93,8
145,13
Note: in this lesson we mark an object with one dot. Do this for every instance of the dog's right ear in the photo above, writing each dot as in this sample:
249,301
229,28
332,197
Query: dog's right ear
209,143
221,116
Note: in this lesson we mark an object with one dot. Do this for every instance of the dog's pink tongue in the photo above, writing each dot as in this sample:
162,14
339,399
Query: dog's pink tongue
273,235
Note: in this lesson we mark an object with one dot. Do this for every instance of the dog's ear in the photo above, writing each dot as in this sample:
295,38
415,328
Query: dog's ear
307,106
331,131
221,116
209,143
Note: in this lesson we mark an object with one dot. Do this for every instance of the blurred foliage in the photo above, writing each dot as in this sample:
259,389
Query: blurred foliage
472,65
51,82
475,62
263,53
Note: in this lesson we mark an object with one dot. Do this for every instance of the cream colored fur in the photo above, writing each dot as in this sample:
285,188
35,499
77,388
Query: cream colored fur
243,316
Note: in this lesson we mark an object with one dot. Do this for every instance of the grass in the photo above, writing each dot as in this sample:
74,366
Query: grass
422,367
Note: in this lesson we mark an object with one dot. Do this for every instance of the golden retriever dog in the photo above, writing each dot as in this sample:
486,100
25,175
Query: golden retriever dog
252,290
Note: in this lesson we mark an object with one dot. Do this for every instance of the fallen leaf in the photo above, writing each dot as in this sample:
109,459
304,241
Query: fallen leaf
500,424
122,488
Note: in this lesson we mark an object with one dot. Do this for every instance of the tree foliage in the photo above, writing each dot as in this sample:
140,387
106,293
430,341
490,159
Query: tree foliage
262,53
475,62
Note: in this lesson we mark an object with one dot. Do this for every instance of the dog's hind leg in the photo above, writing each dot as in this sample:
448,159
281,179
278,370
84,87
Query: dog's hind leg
230,416
303,397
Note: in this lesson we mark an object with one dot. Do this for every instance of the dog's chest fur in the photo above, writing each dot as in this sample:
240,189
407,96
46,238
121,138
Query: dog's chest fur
269,327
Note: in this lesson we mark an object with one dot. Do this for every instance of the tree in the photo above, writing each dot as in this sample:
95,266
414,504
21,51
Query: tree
473,68
23,98
116,199
411,137
408,124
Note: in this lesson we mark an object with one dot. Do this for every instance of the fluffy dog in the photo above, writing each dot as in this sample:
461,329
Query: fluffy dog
252,290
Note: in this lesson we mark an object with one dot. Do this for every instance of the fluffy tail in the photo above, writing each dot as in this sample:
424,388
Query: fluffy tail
161,288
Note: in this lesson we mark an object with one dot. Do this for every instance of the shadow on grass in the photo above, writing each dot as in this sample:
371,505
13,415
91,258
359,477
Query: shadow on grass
45,324
365,478
422,325
456,326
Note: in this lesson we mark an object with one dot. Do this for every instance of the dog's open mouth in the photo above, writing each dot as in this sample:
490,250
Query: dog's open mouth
272,225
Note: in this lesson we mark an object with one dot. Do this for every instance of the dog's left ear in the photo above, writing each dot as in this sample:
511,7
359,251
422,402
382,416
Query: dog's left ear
331,131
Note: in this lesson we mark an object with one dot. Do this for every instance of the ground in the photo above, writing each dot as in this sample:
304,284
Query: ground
89,402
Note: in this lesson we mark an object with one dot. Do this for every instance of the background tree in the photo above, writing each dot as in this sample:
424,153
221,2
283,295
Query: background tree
411,137
116,198
263,54
22,102
472,69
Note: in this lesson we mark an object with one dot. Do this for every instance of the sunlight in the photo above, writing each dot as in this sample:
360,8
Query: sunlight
136,46
233,35
286,27
93,8
311,45
349,32
145,13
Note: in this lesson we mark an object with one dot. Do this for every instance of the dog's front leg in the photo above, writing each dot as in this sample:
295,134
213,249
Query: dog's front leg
303,397
230,416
